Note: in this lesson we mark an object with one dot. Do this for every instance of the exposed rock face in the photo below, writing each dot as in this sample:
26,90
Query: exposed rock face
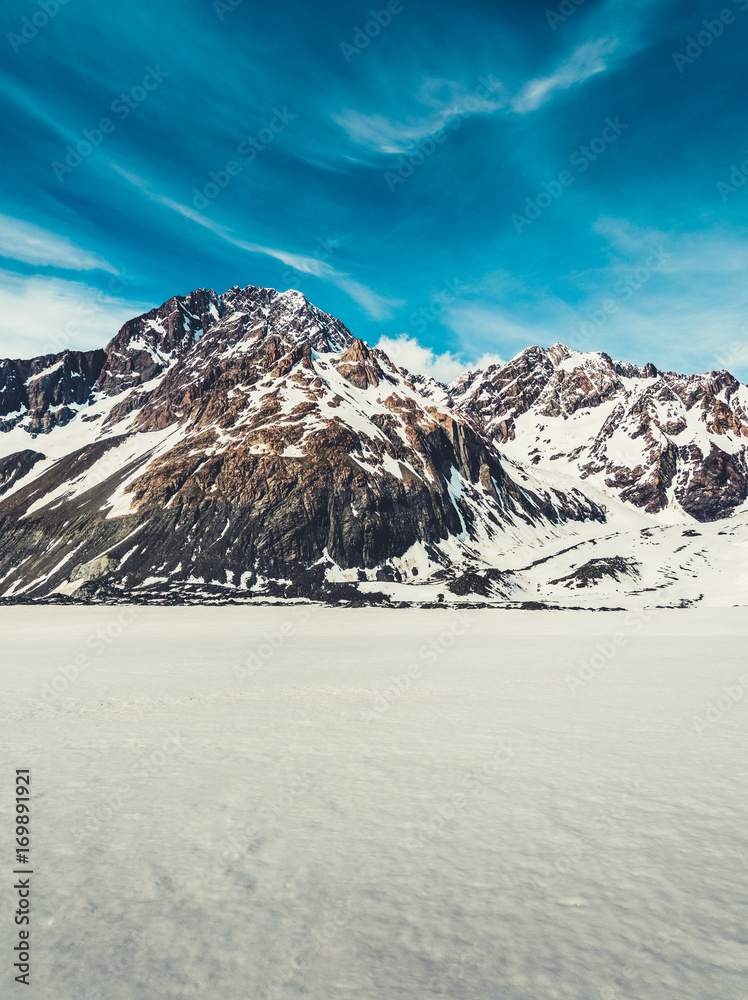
149,344
252,438
146,345
496,396
590,572
45,392
15,466
653,439
717,483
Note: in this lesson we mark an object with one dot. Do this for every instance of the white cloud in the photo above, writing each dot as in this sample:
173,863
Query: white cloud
619,29
24,241
379,134
41,315
448,100
586,61
374,305
406,352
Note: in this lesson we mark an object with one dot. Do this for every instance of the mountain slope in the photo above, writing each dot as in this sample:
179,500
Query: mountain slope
248,441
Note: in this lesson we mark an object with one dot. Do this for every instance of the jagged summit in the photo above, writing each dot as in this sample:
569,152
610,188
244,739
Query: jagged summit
46,392
148,344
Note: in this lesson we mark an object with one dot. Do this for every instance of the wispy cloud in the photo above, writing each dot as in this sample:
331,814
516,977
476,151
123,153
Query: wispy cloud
23,241
374,305
675,298
479,325
44,315
447,100
451,221
681,295
700,332
689,254
586,61
615,31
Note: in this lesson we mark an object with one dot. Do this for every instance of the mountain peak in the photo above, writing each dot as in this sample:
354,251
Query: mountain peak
560,352
148,344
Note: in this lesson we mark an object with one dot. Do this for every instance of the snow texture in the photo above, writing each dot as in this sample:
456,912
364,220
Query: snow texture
323,803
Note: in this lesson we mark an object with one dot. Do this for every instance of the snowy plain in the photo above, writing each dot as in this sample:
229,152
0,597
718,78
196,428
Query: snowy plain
295,801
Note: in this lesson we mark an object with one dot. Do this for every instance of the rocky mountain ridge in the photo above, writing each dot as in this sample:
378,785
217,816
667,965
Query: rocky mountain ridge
656,440
249,444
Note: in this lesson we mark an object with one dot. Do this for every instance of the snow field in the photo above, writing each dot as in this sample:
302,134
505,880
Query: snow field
293,801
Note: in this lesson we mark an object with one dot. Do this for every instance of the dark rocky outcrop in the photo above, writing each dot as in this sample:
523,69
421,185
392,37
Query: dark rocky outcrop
44,392
15,466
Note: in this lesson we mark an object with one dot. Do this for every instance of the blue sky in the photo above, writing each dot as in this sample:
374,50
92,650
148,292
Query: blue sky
455,182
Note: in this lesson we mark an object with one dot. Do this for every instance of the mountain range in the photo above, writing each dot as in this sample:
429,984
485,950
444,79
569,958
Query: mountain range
247,446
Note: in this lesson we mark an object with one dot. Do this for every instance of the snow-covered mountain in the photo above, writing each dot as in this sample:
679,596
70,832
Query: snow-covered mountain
247,445
656,440
249,442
